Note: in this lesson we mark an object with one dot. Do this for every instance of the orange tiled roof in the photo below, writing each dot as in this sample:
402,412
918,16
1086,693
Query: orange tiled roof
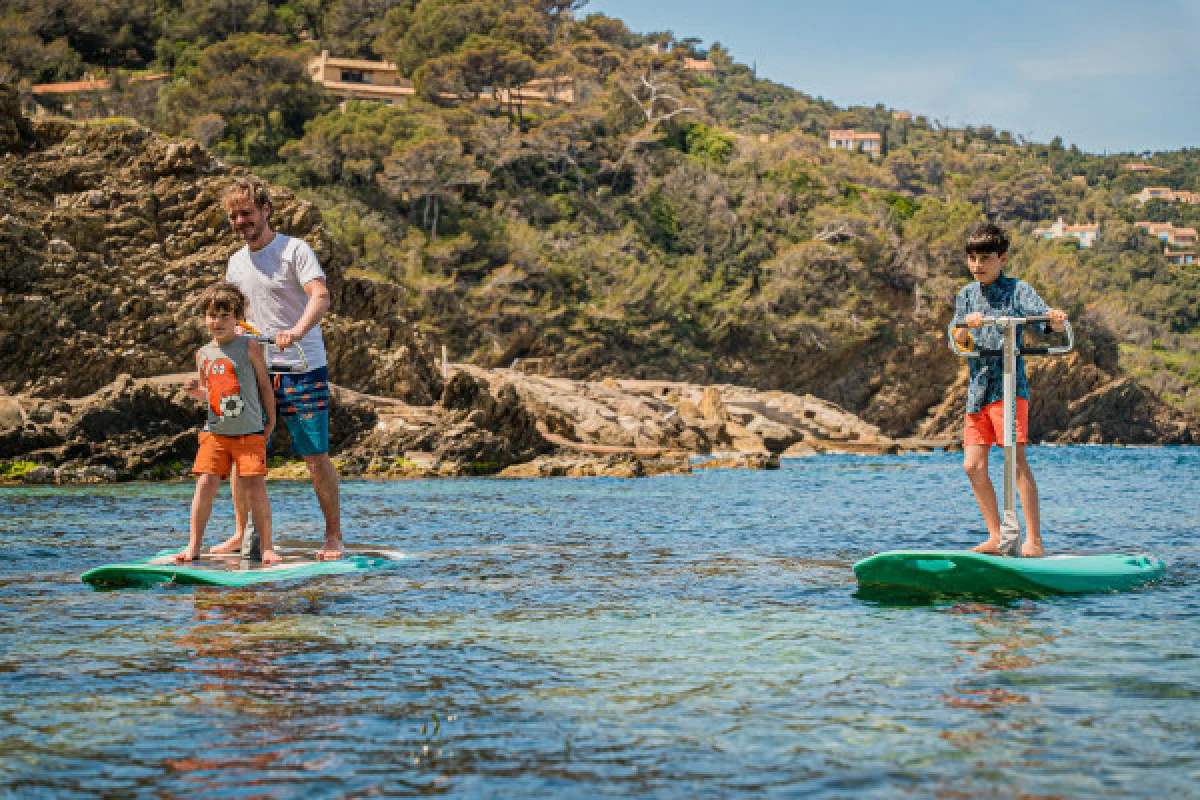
850,133
89,85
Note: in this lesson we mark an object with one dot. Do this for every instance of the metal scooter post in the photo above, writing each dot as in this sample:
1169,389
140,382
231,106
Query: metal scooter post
1010,526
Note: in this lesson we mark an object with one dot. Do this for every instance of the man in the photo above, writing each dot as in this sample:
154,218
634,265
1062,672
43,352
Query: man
285,285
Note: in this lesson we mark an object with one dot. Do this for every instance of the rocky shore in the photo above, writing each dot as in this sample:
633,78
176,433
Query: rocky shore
108,232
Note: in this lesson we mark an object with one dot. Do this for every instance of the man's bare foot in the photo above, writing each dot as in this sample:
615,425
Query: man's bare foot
231,545
270,557
991,547
332,550
1031,550
187,554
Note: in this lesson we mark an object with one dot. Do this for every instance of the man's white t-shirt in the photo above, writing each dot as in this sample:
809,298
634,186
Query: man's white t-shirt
273,280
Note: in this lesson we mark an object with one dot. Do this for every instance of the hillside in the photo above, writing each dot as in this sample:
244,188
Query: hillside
672,222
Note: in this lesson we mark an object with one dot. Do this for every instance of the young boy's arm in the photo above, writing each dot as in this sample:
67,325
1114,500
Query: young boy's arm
265,393
196,387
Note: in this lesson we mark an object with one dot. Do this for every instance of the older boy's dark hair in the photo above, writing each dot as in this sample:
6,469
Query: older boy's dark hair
987,238
223,296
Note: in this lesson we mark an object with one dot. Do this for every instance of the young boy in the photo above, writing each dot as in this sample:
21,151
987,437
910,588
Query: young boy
235,385
996,294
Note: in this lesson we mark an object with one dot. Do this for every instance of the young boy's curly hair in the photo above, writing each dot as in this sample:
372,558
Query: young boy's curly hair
987,238
223,296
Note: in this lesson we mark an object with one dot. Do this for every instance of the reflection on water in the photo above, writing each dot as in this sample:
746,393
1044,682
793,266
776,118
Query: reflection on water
679,636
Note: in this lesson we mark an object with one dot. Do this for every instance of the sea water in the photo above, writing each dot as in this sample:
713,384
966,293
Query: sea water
678,636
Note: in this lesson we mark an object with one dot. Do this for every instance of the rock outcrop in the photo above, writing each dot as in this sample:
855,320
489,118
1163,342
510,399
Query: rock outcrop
683,417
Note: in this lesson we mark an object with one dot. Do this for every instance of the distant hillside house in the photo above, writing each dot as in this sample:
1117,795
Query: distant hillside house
82,98
905,115
1172,236
701,65
851,139
543,91
1085,235
1182,257
1138,166
358,79
1167,195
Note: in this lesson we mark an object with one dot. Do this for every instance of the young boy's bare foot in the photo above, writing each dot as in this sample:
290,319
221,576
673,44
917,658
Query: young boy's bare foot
187,554
231,545
991,547
1032,550
270,557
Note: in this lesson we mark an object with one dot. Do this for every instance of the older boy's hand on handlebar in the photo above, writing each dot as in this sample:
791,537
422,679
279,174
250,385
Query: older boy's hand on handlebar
973,320
1057,318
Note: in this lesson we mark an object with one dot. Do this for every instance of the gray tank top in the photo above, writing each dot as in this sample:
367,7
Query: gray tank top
234,407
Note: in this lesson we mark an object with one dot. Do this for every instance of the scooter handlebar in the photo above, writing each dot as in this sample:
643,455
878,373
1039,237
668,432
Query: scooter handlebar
1054,350
262,338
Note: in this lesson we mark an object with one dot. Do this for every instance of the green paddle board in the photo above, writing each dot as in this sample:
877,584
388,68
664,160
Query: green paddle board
964,572
222,570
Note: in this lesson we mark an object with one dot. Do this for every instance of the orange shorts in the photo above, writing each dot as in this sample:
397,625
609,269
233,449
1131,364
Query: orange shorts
986,426
217,453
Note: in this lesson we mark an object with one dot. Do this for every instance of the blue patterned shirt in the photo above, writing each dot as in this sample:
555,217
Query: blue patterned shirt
1005,297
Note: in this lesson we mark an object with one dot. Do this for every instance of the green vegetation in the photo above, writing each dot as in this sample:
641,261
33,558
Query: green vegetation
669,222
16,470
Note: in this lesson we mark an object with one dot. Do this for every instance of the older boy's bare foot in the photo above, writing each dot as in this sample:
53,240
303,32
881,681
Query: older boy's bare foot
332,550
270,557
991,547
1032,550
231,545
187,554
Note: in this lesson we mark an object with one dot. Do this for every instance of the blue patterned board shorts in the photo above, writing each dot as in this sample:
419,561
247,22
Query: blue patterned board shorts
302,401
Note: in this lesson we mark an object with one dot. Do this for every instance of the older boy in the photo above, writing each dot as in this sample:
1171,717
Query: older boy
234,384
996,294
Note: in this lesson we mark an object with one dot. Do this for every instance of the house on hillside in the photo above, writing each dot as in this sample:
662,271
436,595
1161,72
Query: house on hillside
542,91
89,97
701,65
1138,166
1085,235
1179,244
1174,237
359,79
1167,195
850,139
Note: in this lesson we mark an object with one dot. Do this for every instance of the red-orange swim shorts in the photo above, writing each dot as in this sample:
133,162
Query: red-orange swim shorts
217,453
987,425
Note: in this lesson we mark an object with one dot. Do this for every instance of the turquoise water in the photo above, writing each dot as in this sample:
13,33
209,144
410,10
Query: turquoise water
682,636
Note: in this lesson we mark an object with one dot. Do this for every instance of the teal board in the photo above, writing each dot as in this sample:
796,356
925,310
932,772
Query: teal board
964,572
221,571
